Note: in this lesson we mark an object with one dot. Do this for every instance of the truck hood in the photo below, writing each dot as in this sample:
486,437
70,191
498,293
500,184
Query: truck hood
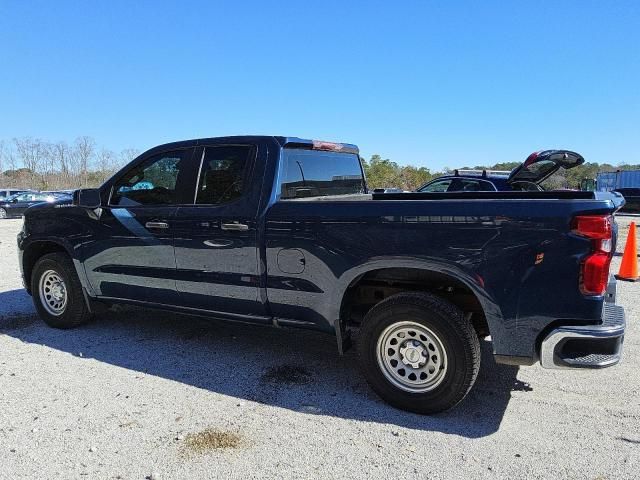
541,165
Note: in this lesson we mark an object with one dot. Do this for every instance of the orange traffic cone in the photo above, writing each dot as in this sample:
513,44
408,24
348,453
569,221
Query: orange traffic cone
629,266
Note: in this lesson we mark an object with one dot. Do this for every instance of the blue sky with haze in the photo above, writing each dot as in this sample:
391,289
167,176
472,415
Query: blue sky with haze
426,83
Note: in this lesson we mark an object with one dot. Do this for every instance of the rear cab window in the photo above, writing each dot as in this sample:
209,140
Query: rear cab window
318,173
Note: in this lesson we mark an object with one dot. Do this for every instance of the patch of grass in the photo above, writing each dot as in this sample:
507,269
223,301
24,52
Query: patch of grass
287,374
211,439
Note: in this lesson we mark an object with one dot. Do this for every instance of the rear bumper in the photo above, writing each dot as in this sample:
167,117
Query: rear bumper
586,346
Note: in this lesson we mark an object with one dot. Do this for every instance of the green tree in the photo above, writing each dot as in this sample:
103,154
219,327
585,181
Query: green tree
384,173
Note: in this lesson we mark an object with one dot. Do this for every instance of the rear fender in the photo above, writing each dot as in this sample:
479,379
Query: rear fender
490,308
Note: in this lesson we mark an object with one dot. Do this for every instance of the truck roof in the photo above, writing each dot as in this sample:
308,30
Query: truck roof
284,142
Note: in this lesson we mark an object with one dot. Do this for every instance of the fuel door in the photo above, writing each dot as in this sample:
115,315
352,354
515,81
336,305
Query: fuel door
291,260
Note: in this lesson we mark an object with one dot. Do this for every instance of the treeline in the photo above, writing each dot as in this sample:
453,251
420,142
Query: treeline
40,164
384,173
35,163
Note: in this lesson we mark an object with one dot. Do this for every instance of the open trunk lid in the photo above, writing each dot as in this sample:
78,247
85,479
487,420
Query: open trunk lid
541,165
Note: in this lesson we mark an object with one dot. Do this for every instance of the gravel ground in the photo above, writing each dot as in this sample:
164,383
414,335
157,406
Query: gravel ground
140,394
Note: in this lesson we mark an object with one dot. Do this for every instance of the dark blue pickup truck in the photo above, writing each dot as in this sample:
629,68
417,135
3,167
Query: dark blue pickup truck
281,231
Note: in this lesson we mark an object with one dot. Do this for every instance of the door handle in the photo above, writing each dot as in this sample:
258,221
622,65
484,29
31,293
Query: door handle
235,226
162,225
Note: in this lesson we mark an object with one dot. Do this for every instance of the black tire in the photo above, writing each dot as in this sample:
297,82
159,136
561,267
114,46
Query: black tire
3,213
75,311
455,334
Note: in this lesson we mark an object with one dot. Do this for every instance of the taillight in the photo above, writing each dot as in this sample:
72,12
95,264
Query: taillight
595,267
331,146
593,226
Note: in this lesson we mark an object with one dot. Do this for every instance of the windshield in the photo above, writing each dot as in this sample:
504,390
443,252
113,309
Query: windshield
540,169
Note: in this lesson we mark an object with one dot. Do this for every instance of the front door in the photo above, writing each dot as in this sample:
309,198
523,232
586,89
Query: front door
132,255
216,238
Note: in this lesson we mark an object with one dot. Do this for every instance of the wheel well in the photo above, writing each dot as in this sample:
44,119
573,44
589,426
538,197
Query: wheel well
371,288
31,255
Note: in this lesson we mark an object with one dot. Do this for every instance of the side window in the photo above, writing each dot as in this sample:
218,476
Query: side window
485,186
223,174
471,185
152,182
313,173
437,186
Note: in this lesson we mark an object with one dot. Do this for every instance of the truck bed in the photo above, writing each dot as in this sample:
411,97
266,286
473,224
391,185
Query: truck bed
614,197
555,194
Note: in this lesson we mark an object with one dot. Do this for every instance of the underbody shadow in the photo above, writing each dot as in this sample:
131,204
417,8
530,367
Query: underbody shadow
293,369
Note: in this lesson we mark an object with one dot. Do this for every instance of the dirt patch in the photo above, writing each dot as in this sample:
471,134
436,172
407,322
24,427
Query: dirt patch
287,374
130,424
211,439
17,322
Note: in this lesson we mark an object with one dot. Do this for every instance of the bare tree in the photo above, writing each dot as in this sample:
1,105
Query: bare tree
32,152
83,152
9,166
62,154
127,155
10,157
61,158
106,162
2,154
35,163
48,160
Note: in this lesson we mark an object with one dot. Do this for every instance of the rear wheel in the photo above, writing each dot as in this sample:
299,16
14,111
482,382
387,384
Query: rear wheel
418,352
57,292
3,213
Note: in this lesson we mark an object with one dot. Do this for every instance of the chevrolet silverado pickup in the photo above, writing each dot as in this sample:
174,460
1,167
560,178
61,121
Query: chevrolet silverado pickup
281,231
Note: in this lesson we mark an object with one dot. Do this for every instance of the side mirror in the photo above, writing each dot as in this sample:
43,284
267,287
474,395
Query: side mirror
87,198
14,200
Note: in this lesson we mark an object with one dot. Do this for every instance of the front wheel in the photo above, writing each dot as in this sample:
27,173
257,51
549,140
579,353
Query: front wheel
57,292
418,352
3,213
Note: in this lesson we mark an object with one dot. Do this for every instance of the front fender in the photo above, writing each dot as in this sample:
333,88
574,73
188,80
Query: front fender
44,234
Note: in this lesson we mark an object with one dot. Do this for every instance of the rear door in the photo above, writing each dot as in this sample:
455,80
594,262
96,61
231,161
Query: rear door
300,255
216,238
131,255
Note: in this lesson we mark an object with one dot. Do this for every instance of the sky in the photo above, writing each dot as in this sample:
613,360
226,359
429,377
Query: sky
425,83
